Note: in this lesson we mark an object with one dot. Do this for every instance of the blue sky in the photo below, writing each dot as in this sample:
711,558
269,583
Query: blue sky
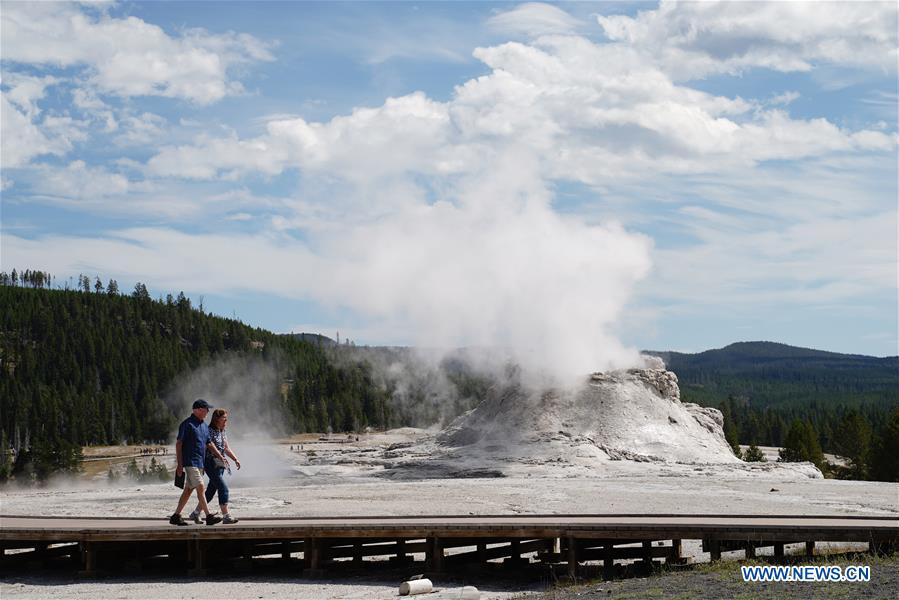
571,180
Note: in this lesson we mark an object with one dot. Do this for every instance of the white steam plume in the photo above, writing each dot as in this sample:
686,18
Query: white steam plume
497,268
248,388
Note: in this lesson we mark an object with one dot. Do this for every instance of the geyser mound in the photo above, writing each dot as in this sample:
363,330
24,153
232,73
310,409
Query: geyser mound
631,415
609,423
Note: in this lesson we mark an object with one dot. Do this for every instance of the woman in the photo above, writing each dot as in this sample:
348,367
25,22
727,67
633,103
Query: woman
215,468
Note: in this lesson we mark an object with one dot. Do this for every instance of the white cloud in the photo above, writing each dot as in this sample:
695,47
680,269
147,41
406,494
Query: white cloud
86,99
24,136
210,157
785,98
22,139
774,239
694,39
817,261
143,129
390,35
594,113
78,181
128,56
402,136
24,91
534,19
102,191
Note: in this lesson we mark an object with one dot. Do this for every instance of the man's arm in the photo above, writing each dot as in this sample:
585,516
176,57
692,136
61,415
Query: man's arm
180,468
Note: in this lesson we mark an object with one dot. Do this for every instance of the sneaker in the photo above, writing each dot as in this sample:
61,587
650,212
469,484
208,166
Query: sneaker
229,520
213,519
195,517
176,519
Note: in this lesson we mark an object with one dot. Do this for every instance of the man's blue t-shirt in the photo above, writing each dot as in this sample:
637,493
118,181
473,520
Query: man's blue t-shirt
194,436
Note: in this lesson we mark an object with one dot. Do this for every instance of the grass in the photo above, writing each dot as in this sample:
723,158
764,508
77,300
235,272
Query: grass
722,579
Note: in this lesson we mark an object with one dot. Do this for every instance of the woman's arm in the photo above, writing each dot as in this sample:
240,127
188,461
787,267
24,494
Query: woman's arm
216,453
230,453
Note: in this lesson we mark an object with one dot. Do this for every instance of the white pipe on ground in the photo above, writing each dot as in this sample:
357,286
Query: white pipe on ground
416,586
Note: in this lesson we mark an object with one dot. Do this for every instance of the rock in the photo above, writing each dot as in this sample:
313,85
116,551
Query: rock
631,415
652,362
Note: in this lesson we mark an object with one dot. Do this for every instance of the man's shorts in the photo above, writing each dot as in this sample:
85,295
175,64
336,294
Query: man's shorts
193,477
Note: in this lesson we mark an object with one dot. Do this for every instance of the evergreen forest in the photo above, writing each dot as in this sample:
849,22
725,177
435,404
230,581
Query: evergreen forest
94,366
810,402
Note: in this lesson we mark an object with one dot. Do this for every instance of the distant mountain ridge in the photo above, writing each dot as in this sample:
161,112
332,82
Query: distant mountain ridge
312,338
767,350
769,373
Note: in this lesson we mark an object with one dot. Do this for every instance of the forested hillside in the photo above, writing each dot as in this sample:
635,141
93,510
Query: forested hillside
774,395
781,376
93,366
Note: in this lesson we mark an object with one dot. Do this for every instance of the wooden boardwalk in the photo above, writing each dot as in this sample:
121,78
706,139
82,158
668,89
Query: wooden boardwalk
442,541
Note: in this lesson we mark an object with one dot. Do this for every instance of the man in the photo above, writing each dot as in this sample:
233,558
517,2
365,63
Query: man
193,440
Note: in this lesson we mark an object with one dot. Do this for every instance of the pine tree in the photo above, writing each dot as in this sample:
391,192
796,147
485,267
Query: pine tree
813,451
885,451
794,449
853,441
754,454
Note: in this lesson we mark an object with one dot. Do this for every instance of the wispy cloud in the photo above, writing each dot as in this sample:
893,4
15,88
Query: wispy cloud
128,57
534,19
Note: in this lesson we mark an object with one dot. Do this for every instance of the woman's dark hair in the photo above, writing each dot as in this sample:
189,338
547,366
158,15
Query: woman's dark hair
216,415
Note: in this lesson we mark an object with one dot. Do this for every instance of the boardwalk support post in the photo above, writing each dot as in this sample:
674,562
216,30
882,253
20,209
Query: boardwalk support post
88,559
514,559
714,550
572,557
608,560
198,554
647,555
435,554
750,549
401,557
677,553
312,557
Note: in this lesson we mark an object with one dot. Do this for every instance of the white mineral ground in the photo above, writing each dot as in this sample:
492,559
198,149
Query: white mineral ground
624,443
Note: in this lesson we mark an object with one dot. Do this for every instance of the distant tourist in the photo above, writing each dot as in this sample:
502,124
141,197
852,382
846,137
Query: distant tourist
216,463
190,449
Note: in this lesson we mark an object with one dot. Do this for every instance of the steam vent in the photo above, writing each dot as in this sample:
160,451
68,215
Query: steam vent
632,415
